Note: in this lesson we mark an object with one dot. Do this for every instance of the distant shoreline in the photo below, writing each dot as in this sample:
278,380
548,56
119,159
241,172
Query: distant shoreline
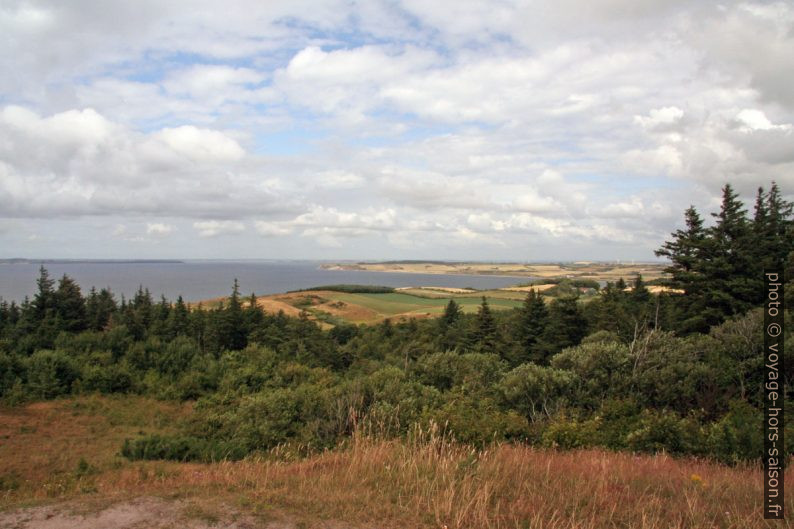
574,270
89,261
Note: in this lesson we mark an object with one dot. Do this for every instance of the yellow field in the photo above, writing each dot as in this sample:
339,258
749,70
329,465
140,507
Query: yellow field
580,270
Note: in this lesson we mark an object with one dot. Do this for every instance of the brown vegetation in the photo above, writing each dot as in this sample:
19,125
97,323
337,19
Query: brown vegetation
582,270
67,451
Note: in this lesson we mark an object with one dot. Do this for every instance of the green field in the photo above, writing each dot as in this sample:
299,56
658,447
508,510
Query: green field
399,304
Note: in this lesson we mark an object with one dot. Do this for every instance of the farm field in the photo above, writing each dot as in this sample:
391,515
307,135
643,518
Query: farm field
578,270
61,465
330,306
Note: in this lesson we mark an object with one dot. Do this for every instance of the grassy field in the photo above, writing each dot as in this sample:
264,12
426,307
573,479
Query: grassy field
67,451
330,307
580,270
357,308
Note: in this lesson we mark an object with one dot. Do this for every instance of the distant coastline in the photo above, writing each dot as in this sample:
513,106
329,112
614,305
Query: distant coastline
22,260
603,271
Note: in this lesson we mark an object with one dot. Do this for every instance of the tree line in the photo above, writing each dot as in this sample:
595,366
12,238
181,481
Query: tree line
627,369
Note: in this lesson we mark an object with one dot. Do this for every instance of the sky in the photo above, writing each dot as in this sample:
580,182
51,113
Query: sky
404,129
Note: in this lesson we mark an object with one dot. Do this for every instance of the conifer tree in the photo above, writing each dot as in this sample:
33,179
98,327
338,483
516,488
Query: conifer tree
640,295
43,304
70,306
485,332
234,335
566,327
451,314
532,321
779,229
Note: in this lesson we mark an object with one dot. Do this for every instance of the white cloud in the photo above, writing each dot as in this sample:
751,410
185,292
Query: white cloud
79,163
201,145
660,118
158,229
753,120
386,127
213,228
339,180
273,229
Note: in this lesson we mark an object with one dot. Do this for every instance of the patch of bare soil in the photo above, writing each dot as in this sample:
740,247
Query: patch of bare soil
140,513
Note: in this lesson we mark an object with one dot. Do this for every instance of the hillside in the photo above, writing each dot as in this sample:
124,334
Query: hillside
63,455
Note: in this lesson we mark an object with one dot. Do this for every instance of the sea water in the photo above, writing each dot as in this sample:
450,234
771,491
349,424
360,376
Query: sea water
199,280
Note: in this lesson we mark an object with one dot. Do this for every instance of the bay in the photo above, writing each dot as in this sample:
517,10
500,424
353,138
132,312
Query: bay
199,280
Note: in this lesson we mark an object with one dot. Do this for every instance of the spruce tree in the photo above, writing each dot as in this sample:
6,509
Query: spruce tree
234,335
70,306
449,334
733,280
566,327
640,295
685,252
532,321
779,229
43,304
485,332
179,323
451,314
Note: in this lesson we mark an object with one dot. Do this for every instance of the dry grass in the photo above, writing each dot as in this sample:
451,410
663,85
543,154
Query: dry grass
427,483
583,270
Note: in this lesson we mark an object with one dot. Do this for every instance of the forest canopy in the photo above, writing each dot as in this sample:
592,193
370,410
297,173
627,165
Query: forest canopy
626,369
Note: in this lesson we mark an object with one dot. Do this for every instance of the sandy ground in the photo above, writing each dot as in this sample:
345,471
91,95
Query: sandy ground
597,271
444,290
143,513
536,288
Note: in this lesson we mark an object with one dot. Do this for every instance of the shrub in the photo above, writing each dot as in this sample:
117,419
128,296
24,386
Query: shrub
51,374
665,431
181,448
738,435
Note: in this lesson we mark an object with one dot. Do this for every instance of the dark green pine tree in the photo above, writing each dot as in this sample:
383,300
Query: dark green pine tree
254,316
532,321
640,295
178,319
451,314
688,251
100,308
484,337
70,306
235,334
40,316
732,286
161,313
566,327
43,304
779,240
137,314
611,310
449,335
685,252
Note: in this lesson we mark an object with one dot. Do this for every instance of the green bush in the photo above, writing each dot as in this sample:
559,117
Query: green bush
665,431
115,378
181,448
738,435
51,374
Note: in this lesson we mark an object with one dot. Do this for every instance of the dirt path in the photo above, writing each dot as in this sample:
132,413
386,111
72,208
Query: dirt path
141,513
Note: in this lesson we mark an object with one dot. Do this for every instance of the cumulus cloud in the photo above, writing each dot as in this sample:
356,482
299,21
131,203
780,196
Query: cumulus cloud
392,125
200,145
158,229
213,228
79,163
